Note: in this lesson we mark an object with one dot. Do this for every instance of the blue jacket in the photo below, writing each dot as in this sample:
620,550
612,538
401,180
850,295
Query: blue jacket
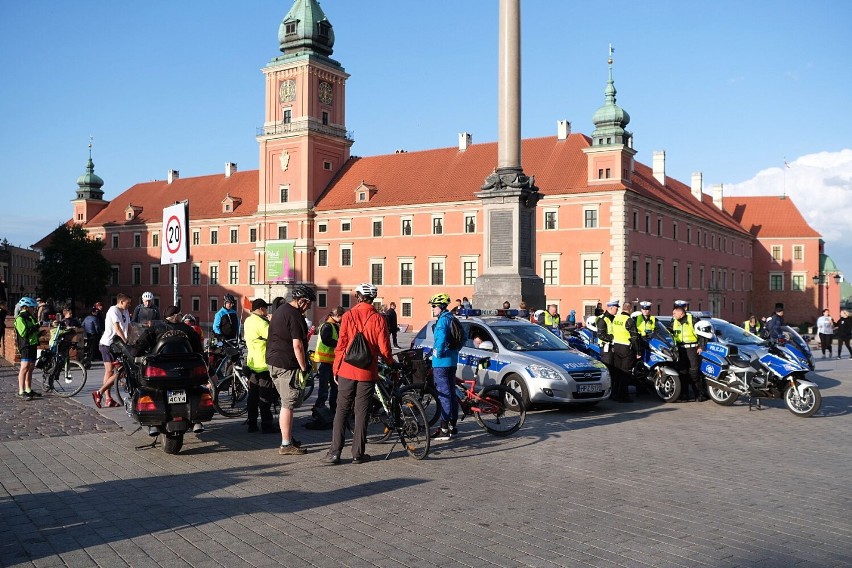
442,356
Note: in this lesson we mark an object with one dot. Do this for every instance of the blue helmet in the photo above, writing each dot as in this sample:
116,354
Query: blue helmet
28,302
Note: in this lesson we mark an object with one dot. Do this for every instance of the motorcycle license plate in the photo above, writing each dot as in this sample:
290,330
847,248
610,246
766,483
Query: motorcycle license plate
589,388
176,396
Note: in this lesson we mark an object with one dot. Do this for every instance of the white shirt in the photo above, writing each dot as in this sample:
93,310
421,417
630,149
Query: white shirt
825,325
115,315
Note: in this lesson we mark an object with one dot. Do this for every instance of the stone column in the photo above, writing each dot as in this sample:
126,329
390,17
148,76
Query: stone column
508,196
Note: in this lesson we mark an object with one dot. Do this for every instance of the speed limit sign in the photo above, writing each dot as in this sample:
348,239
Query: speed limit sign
175,247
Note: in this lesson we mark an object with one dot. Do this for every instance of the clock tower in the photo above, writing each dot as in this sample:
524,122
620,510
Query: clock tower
303,141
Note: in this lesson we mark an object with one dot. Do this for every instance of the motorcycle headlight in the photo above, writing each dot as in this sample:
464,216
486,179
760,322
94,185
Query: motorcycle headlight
542,372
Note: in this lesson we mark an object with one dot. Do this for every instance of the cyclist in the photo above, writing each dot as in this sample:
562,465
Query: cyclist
117,325
356,383
146,311
226,324
27,332
261,391
444,361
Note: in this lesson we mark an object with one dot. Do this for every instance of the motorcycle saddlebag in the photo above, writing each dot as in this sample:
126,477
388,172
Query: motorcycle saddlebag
712,365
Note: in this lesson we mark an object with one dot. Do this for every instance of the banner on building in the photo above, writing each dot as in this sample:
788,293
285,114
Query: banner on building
280,262
175,238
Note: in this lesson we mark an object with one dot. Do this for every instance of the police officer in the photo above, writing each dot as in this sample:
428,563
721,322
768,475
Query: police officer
645,322
604,328
550,319
775,322
688,348
753,325
625,349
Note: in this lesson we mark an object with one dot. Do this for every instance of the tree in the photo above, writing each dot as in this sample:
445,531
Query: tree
72,266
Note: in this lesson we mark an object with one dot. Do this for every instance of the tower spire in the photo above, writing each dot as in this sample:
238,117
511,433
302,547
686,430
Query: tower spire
610,119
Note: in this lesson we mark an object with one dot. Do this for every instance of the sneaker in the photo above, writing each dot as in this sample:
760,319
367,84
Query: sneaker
440,435
28,396
295,442
111,403
331,459
35,394
291,450
363,458
97,397
197,428
454,433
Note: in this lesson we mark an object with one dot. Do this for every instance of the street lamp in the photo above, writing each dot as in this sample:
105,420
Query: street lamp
823,278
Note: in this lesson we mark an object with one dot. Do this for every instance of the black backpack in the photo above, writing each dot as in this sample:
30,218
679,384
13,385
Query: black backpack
358,353
456,337
227,326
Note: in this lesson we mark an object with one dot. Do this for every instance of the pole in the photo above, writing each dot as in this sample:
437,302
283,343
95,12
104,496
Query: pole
175,285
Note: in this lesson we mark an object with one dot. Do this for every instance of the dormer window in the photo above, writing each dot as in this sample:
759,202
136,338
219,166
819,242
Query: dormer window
365,192
230,203
323,28
132,211
290,28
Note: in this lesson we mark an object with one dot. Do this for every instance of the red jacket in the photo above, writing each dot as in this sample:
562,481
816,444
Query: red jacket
363,317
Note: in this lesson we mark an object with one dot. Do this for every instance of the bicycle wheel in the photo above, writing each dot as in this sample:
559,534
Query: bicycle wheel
413,426
231,397
309,386
499,410
428,397
70,379
379,423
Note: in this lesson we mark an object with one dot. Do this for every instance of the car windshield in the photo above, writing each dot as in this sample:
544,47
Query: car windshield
527,338
733,334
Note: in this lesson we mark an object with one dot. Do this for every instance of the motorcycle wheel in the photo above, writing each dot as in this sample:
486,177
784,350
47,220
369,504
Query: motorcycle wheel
172,443
666,386
722,397
806,405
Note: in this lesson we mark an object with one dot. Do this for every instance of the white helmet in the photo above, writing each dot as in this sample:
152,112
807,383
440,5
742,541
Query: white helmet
592,321
367,290
147,296
704,328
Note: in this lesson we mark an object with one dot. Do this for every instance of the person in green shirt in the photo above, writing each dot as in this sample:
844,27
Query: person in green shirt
27,332
261,390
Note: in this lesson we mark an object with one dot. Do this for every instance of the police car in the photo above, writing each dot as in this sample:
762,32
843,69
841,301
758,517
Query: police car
525,357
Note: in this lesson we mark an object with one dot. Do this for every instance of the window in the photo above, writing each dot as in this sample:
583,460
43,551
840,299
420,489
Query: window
214,304
155,275
600,173
798,253
326,165
550,272
136,274
406,308
406,273
776,252
345,225
470,269
322,257
233,274
113,275
674,275
376,273
214,236
647,222
660,226
550,221
377,228
436,273
290,28
252,273
115,241
196,237
234,236
137,240
155,239
674,231
214,274
346,255
345,301
689,277
252,235
437,225
325,117
776,281
282,232
634,272
406,227
284,193
659,274
648,273
797,283
196,275
591,271
470,224
635,220
287,116
701,278
196,304
322,227
689,234
322,299
590,217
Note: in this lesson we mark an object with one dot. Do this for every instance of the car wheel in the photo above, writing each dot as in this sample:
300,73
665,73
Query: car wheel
517,384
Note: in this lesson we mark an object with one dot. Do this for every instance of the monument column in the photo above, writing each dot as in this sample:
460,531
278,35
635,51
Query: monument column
509,197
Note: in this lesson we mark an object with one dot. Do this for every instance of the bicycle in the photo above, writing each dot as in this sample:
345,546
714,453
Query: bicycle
229,383
61,375
395,412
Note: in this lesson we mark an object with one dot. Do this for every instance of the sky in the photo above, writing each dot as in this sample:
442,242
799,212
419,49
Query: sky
728,88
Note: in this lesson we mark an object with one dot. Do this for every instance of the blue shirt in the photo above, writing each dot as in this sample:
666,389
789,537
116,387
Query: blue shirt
442,355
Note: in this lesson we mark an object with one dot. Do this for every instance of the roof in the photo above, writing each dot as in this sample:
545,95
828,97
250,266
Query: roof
204,193
774,216
451,175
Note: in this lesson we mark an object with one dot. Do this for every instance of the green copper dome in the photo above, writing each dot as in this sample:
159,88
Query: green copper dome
89,184
610,119
305,27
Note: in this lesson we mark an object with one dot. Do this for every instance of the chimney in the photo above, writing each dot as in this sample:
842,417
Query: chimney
717,195
563,129
465,140
697,185
660,166
230,169
173,175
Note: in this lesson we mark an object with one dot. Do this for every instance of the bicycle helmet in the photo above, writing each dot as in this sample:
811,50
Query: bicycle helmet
147,296
28,302
442,299
230,298
301,291
367,290
189,318
704,329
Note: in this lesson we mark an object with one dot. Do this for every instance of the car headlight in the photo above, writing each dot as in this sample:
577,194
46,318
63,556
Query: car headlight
542,372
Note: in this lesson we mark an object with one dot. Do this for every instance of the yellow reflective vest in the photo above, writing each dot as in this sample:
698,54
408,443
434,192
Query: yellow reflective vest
684,332
620,334
324,353
645,326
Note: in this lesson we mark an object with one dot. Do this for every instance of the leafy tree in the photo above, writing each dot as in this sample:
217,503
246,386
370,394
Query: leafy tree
73,267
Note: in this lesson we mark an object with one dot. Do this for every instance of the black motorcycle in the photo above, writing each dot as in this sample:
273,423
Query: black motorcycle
165,386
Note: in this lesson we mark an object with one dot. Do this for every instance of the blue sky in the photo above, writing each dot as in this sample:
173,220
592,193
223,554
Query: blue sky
726,88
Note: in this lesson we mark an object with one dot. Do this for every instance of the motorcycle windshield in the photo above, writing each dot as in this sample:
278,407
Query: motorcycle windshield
662,334
732,334
793,337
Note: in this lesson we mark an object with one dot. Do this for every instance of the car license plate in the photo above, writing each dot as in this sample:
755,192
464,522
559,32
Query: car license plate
589,388
176,396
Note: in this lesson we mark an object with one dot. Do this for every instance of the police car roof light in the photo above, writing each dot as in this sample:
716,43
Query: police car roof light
469,312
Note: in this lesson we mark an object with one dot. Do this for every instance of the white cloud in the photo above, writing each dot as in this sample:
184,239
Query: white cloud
821,187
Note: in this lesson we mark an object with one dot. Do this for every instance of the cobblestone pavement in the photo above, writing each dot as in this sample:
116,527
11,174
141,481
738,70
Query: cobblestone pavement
641,484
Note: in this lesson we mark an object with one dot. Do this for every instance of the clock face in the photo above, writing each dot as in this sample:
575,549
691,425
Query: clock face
287,91
325,93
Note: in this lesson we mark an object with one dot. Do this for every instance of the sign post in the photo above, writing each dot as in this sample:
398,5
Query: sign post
175,248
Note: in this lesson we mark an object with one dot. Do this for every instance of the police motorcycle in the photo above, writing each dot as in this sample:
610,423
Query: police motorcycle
163,382
585,339
658,365
737,363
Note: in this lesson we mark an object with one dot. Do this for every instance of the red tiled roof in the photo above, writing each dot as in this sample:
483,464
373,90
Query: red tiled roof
205,195
769,216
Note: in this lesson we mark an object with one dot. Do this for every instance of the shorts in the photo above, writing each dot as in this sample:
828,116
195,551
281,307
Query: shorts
284,381
29,353
106,354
